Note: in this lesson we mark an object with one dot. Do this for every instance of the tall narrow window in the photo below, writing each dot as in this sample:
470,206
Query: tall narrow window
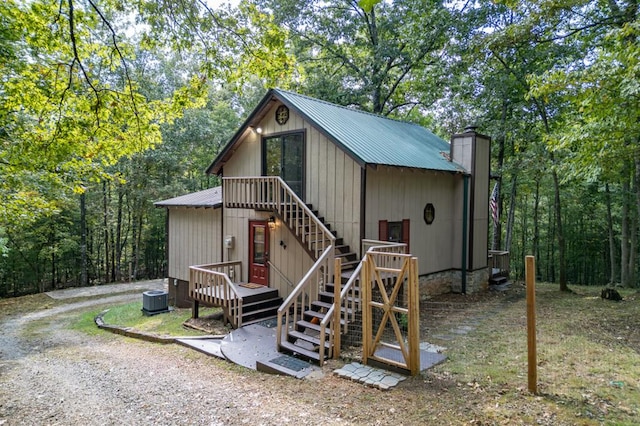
283,156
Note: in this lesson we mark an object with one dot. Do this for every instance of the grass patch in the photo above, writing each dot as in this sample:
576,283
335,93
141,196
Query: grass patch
588,359
26,304
130,315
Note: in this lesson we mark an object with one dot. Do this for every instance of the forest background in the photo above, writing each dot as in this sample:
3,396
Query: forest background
110,105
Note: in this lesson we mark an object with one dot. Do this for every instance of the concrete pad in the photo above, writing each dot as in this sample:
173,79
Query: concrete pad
209,346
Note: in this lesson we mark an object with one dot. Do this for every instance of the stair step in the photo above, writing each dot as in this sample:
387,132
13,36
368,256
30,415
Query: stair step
351,256
259,311
308,338
259,315
319,315
498,280
297,350
322,305
266,303
327,296
327,306
330,288
309,325
312,226
260,319
314,314
350,264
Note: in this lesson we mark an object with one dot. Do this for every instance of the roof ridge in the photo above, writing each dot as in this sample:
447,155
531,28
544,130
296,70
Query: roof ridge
397,120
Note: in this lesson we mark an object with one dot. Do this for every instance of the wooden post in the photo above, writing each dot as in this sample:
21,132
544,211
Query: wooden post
414,318
337,289
365,290
530,276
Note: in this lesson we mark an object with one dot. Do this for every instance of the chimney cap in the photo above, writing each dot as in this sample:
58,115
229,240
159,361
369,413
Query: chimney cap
471,128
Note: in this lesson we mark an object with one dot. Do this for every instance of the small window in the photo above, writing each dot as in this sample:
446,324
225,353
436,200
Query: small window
394,232
397,232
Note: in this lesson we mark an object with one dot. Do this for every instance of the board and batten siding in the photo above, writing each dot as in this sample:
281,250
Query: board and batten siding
395,194
194,239
332,186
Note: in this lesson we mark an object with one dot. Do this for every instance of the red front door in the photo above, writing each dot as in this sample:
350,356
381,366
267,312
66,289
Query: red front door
258,252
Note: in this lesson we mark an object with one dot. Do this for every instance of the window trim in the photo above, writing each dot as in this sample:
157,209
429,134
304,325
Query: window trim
281,136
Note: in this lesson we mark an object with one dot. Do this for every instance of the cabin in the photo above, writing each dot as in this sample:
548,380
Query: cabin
305,183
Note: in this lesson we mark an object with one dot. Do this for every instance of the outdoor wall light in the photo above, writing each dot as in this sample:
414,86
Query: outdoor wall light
259,130
272,222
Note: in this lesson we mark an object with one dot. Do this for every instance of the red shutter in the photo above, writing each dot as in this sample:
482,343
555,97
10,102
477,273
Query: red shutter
405,233
383,230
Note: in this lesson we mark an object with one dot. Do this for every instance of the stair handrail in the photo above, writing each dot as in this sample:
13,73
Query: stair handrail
301,297
350,304
273,193
209,276
282,275
499,259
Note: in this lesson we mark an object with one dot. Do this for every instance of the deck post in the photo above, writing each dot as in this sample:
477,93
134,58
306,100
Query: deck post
195,307
337,303
530,276
414,318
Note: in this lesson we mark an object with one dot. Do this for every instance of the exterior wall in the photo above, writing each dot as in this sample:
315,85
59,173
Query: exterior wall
292,262
473,151
194,239
395,195
480,181
332,186
450,281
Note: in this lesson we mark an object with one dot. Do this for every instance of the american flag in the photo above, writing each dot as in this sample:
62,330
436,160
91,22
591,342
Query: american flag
493,204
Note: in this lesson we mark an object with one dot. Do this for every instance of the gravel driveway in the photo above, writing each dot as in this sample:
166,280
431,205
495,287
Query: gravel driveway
51,375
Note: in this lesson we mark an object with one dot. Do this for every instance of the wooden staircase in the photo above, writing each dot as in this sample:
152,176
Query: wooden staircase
260,307
304,341
305,231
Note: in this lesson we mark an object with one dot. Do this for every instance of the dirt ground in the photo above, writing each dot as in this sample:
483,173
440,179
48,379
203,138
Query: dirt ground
51,374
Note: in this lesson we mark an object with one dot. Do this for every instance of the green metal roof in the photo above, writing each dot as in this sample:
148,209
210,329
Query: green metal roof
371,138
367,138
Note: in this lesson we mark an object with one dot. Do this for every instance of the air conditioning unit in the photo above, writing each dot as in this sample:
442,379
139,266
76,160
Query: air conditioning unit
154,302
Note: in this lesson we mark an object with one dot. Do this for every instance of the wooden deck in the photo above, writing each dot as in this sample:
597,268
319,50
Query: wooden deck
217,292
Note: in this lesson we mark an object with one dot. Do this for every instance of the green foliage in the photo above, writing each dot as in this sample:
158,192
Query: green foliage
70,106
382,57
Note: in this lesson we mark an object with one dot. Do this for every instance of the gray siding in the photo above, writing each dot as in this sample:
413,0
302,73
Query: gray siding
194,239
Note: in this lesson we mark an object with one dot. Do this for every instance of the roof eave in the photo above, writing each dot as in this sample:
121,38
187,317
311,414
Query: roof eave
216,165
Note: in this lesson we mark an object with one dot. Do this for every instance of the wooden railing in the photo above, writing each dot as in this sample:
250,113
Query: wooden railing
213,285
499,263
272,193
292,309
347,302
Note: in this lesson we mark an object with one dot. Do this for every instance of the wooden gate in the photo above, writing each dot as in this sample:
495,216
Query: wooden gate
390,317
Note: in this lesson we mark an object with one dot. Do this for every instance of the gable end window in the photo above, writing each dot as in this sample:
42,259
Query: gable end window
397,232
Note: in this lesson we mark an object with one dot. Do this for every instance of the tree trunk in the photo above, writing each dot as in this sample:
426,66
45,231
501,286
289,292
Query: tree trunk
562,249
105,223
118,254
624,234
613,272
536,227
84,264
497,233
512,213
